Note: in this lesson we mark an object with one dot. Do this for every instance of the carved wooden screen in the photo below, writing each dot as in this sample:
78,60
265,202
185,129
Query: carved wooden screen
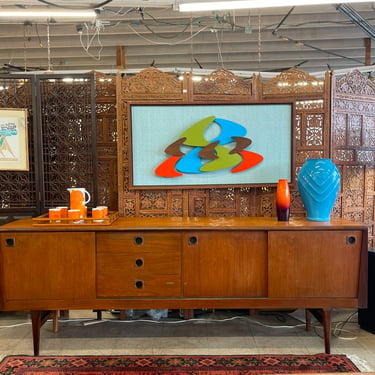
353,145
312,129
223,86
106,140
311,96
19,190
68,137
61,142
155,86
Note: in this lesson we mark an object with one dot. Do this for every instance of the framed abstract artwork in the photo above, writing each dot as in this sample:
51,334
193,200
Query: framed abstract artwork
14,155
210,145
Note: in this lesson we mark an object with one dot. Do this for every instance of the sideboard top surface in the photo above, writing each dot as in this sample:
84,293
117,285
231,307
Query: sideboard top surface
189,223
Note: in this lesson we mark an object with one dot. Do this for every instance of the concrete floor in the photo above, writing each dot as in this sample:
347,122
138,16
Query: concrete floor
210,332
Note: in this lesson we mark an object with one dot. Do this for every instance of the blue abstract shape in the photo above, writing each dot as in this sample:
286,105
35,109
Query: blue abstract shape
229,129
190,162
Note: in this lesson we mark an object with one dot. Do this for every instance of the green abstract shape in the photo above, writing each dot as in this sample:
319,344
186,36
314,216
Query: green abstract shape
195,134
225,160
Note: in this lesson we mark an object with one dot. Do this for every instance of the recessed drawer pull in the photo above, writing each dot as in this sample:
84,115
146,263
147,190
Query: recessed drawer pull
138,240
193,240
139,284
139,262
10,242
351,240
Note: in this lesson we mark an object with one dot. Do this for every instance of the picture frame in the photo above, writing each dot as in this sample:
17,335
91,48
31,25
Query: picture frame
14,154
178,145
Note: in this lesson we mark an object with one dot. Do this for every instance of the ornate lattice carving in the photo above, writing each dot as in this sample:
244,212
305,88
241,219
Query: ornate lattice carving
151,83
18,190
218,86
353,119
106,140
221,82
66,137
105,85
355,83
293,81
353,146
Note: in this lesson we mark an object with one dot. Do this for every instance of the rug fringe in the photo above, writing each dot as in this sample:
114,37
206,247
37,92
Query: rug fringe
362,365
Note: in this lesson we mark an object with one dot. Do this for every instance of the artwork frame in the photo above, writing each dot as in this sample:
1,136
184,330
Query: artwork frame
154,126
14,152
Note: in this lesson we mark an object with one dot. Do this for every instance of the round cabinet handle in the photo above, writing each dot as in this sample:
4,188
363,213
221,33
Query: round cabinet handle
138,240
139,284
139,262
193,240
10,242
351,240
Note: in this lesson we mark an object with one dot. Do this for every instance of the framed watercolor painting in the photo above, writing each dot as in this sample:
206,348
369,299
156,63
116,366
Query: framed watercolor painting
14,155
210,145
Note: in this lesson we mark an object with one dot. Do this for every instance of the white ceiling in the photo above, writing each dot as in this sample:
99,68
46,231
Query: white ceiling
153,33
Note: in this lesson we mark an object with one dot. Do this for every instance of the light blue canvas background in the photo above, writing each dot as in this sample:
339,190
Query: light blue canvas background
155,127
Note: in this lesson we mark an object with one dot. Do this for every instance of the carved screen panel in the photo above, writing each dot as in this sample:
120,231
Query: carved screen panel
311,96
18,189
106,141
221,85
353,146
149,85
68,137
353,120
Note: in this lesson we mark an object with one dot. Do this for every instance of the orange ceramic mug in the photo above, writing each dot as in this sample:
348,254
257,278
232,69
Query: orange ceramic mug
74,215
98,214
78,199
54,214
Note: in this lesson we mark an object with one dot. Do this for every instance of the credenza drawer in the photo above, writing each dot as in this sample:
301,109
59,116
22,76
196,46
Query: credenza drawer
138,264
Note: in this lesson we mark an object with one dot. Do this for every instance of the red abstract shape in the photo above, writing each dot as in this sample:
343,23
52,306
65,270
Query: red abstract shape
167,168
249,160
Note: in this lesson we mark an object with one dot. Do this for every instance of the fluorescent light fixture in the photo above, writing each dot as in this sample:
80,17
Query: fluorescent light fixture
45,14
252,4
357,19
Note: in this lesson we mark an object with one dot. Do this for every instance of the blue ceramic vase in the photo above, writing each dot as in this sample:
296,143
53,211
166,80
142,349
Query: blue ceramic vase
318,184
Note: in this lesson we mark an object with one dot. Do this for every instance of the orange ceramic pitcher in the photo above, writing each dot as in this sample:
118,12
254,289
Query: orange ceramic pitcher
78,199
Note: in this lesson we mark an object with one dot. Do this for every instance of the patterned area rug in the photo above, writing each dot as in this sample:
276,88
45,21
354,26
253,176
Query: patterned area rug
176,365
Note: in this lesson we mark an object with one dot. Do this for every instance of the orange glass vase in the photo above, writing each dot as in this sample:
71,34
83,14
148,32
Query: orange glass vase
283,200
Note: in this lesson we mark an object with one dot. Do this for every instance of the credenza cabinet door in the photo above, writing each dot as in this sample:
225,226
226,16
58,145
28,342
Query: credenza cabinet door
319,263
225,264
138,264
48,266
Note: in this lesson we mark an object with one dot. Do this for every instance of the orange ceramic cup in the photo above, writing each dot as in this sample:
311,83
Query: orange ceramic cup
63,212
55,214
105,210
98,213
74,214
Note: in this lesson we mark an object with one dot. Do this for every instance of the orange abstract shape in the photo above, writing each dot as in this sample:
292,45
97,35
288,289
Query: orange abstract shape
167,168
249,159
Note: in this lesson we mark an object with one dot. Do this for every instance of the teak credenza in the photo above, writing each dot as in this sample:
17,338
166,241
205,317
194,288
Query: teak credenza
183,263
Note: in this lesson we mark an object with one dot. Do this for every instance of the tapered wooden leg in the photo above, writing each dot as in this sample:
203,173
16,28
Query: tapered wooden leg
326,318
36,322
55,321
308,319
188,314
